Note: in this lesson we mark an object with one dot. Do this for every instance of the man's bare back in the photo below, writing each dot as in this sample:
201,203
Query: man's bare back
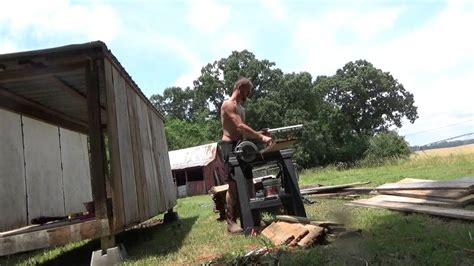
229,110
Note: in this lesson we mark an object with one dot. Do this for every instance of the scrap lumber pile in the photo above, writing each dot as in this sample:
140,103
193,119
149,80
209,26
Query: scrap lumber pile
297,231
438,198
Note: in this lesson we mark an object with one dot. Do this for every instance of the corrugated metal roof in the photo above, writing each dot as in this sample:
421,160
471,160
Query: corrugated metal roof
46,89
193,157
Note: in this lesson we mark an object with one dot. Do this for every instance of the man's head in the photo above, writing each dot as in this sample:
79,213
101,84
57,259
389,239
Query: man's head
244,87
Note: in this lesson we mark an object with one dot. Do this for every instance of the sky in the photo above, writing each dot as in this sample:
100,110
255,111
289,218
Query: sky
428,46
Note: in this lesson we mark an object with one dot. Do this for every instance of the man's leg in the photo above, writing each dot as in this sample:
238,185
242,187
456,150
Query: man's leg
232,208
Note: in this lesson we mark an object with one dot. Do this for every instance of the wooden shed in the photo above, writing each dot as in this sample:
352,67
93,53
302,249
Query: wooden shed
75,128
197,169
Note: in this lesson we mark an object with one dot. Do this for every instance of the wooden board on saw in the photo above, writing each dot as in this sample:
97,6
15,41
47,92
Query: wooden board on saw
411,207
281,233
453,194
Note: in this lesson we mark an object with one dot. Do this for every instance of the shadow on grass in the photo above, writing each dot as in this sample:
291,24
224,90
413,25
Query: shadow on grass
153,239
157,240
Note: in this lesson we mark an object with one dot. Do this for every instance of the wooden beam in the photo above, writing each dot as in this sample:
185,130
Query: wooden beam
53,236
25,106
37,73
96,140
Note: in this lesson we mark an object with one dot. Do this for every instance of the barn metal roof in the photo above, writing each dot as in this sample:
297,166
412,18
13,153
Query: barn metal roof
193,157
53,81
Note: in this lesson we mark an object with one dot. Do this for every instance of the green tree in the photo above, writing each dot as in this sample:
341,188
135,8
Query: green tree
386,145
175,103
217,79
367,99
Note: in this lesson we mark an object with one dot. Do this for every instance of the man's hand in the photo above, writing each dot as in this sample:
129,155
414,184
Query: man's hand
267,140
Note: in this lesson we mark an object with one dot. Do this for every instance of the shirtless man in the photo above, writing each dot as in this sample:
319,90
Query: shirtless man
234,129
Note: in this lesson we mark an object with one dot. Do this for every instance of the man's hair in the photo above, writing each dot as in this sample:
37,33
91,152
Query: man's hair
243,82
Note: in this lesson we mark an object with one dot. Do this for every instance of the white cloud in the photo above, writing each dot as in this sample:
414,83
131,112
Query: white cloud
276,8
58,19
435,61
207,15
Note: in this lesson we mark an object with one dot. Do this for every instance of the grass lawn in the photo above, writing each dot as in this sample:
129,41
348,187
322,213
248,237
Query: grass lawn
386,237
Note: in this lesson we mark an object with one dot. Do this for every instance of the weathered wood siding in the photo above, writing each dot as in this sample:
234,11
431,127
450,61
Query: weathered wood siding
141,173
13,212
44,170
76,173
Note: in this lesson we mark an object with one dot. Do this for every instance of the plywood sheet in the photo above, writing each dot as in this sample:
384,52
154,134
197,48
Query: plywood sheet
125,147
13,211
76,170
43,169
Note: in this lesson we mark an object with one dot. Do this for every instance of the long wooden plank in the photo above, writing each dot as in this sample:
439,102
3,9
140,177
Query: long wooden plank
76,170
147,155
410,207
43,169
126,160
330,188
137,157
428,185
400,199
428,193
13,211
114,150
53,236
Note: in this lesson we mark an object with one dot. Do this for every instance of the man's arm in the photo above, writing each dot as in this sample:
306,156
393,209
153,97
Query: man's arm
231,111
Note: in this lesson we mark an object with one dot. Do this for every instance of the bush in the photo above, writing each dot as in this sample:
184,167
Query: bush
385,146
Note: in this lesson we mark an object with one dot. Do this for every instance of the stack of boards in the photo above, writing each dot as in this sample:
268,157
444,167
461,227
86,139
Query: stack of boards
438,198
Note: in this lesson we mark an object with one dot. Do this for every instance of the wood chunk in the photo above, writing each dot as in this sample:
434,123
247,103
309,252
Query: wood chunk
277,234
298,231
410,207
314,233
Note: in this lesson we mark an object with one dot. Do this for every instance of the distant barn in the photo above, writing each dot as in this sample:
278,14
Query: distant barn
196,169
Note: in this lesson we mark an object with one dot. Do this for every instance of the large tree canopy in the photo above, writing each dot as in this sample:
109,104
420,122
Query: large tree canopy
340,113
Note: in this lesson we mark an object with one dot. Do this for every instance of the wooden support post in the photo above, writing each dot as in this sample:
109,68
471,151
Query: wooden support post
97,155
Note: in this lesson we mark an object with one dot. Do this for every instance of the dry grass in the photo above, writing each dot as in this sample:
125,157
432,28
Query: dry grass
465,149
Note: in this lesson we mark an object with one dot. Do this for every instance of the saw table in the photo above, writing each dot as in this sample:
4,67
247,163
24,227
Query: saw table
289,198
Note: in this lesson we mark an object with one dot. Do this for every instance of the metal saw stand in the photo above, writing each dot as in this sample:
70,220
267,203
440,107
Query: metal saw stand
290,200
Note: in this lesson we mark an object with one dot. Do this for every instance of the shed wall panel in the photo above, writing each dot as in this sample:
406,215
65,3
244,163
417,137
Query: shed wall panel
158,162
43,169
76,170
150,171
168,176
126,153
13,211
137,155
114,149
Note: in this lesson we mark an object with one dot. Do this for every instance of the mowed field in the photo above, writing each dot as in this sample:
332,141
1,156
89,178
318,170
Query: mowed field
464,149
